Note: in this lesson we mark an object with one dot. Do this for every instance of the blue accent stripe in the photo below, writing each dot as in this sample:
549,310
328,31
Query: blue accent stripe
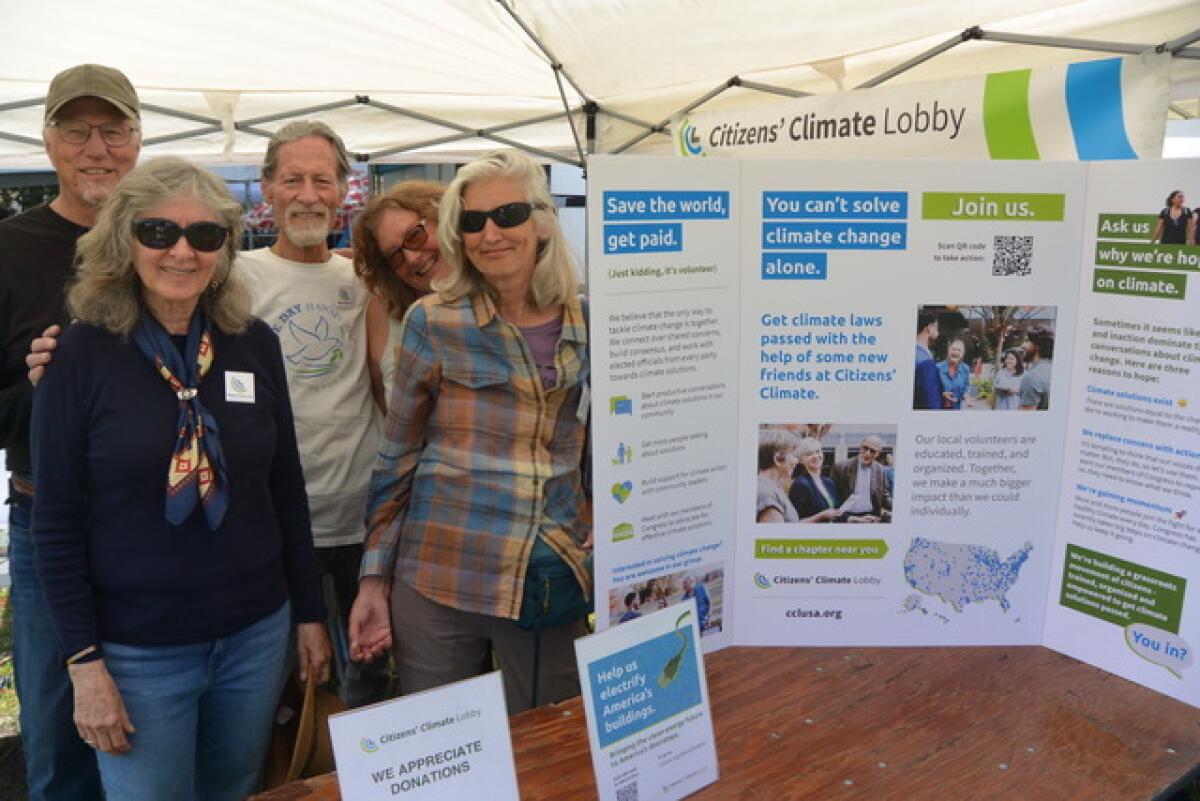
1094,104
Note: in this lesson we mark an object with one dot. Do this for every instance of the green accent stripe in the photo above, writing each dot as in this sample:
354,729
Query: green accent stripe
1006,120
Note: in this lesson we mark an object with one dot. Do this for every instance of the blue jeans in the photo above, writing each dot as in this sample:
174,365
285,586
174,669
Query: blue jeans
59,766
202,714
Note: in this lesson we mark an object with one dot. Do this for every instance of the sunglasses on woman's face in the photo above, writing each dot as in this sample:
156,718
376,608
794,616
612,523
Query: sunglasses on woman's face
159,234
510,215
414,238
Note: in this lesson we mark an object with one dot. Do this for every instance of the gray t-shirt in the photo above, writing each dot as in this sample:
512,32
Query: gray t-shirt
1035,385
772,496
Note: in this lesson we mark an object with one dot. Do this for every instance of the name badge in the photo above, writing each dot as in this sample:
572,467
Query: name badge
239,387
345,297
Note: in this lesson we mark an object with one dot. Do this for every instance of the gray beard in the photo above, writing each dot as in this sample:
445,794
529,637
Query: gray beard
306,236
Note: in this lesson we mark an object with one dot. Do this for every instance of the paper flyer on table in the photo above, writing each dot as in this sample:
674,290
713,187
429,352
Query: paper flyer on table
646,699
450,742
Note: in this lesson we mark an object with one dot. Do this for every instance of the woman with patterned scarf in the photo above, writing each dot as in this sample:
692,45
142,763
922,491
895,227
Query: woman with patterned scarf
170,521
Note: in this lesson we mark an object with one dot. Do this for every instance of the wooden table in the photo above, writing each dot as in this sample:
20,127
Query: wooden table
895,723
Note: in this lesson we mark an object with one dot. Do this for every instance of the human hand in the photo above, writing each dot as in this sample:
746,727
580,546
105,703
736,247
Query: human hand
370,620
100,716
41,352
313,652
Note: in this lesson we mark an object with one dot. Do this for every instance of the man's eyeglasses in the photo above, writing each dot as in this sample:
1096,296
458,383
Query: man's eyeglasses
159,234
414,238
113,134
869,449
510,215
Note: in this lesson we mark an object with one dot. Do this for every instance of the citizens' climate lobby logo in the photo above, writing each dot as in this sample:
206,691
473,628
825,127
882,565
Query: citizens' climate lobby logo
761,581
689,138
368,745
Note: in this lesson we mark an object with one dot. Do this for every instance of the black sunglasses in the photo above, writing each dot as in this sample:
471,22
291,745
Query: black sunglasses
510,215
160,234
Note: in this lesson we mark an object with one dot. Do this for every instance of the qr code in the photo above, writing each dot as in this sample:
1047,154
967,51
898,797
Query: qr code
1012,255
628,792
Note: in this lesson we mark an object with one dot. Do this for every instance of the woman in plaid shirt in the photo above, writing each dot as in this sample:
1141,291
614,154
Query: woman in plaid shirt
480,468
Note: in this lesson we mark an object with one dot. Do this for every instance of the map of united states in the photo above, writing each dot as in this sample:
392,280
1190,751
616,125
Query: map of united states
962,574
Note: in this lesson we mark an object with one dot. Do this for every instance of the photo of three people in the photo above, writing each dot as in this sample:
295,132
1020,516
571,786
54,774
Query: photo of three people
825,473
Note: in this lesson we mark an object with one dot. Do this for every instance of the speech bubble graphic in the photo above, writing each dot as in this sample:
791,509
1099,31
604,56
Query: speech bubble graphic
620,404
1160,647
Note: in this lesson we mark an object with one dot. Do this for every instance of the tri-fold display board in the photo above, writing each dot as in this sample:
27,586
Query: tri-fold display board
900,403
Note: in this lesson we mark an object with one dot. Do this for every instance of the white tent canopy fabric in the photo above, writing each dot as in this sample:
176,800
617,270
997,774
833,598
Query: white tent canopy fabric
218,75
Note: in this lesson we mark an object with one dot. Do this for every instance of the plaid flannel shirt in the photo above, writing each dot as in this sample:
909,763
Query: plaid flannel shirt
477,458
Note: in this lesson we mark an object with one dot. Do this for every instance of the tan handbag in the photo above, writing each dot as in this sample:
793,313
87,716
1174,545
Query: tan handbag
300,744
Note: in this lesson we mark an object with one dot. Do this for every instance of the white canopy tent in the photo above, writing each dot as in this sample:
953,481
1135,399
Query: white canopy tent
407,81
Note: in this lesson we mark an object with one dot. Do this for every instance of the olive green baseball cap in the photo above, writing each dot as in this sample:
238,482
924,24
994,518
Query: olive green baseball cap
92,80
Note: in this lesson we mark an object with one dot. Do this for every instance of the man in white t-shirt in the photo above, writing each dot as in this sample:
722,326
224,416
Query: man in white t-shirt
311,298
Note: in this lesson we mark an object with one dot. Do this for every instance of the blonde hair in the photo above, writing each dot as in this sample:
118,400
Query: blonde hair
810,445
555,279
107,292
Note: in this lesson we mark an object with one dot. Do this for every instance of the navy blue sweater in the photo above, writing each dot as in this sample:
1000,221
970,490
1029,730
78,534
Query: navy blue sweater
113,568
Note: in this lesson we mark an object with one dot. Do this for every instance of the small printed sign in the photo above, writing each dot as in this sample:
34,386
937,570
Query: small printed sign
646,699
450,742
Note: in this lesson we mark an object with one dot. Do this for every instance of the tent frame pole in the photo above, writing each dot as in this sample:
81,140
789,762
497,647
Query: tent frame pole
570,119
921,58
773,90
208,124
617,115
1175,45
560,73
1067,43
555,64
24,140
590,109
188,134
182,115
33,101
246,125
661,127
465,132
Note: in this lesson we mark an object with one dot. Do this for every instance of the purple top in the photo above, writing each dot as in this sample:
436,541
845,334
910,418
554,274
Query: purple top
543,342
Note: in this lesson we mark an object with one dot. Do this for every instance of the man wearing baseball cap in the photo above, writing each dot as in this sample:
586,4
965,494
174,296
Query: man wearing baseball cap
92,137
